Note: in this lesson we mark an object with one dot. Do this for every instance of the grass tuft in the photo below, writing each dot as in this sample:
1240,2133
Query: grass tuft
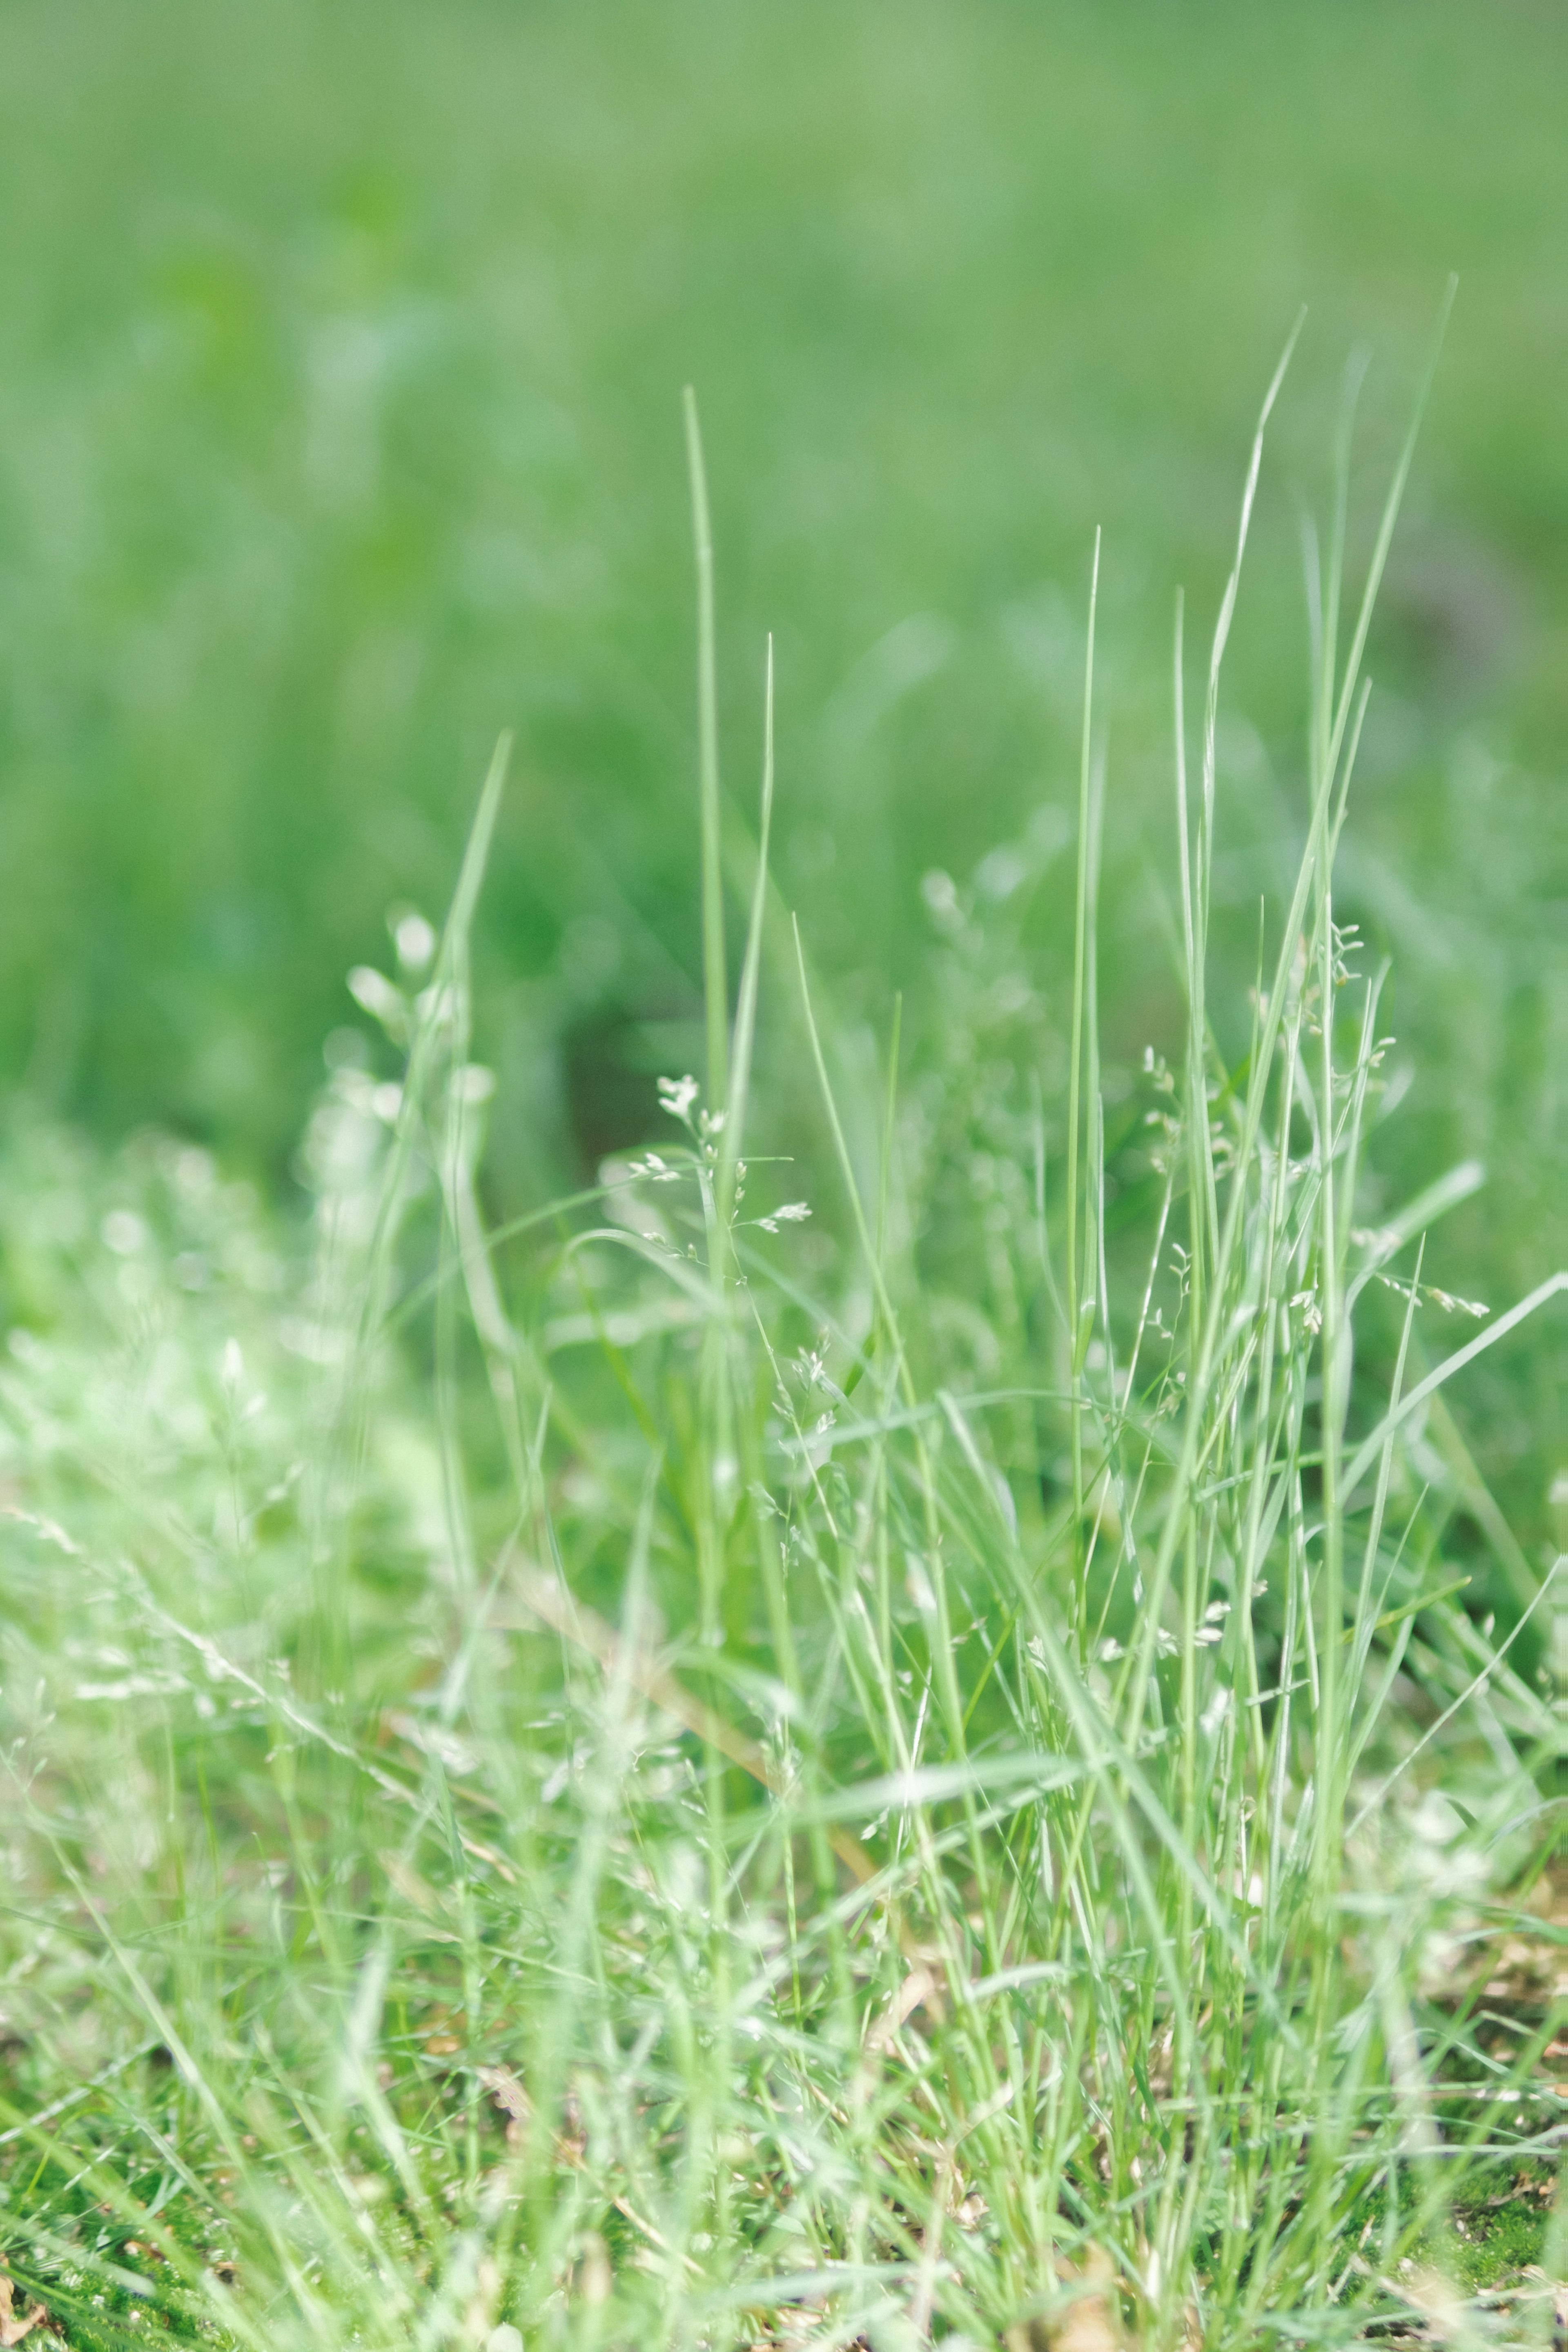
774,1760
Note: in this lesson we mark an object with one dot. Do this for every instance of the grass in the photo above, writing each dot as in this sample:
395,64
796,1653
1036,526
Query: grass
871,1730
341,352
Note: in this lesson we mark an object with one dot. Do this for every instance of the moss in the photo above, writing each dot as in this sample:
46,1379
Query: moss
1487,2245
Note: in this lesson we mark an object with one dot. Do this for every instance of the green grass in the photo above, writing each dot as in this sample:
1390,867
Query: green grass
876,1730
340,355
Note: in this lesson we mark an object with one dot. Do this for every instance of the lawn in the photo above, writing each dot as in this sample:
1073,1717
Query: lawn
799,1587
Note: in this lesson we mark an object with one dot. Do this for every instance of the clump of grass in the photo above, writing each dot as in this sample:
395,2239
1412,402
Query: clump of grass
681,1776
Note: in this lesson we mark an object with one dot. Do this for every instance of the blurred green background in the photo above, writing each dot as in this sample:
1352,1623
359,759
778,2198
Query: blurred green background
341,350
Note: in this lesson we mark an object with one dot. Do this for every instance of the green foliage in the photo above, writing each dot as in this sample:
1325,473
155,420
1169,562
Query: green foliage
876,1745
341,352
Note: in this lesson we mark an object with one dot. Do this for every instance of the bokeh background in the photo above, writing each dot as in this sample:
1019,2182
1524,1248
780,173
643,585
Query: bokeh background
341,352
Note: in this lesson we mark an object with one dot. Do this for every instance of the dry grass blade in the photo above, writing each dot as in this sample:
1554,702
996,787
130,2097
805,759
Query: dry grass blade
14,2328
1084,2321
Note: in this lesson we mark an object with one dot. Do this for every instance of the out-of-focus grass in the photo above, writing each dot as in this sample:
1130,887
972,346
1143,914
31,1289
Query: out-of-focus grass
339,354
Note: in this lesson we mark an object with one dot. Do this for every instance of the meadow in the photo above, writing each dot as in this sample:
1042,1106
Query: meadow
801,1587
341,355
